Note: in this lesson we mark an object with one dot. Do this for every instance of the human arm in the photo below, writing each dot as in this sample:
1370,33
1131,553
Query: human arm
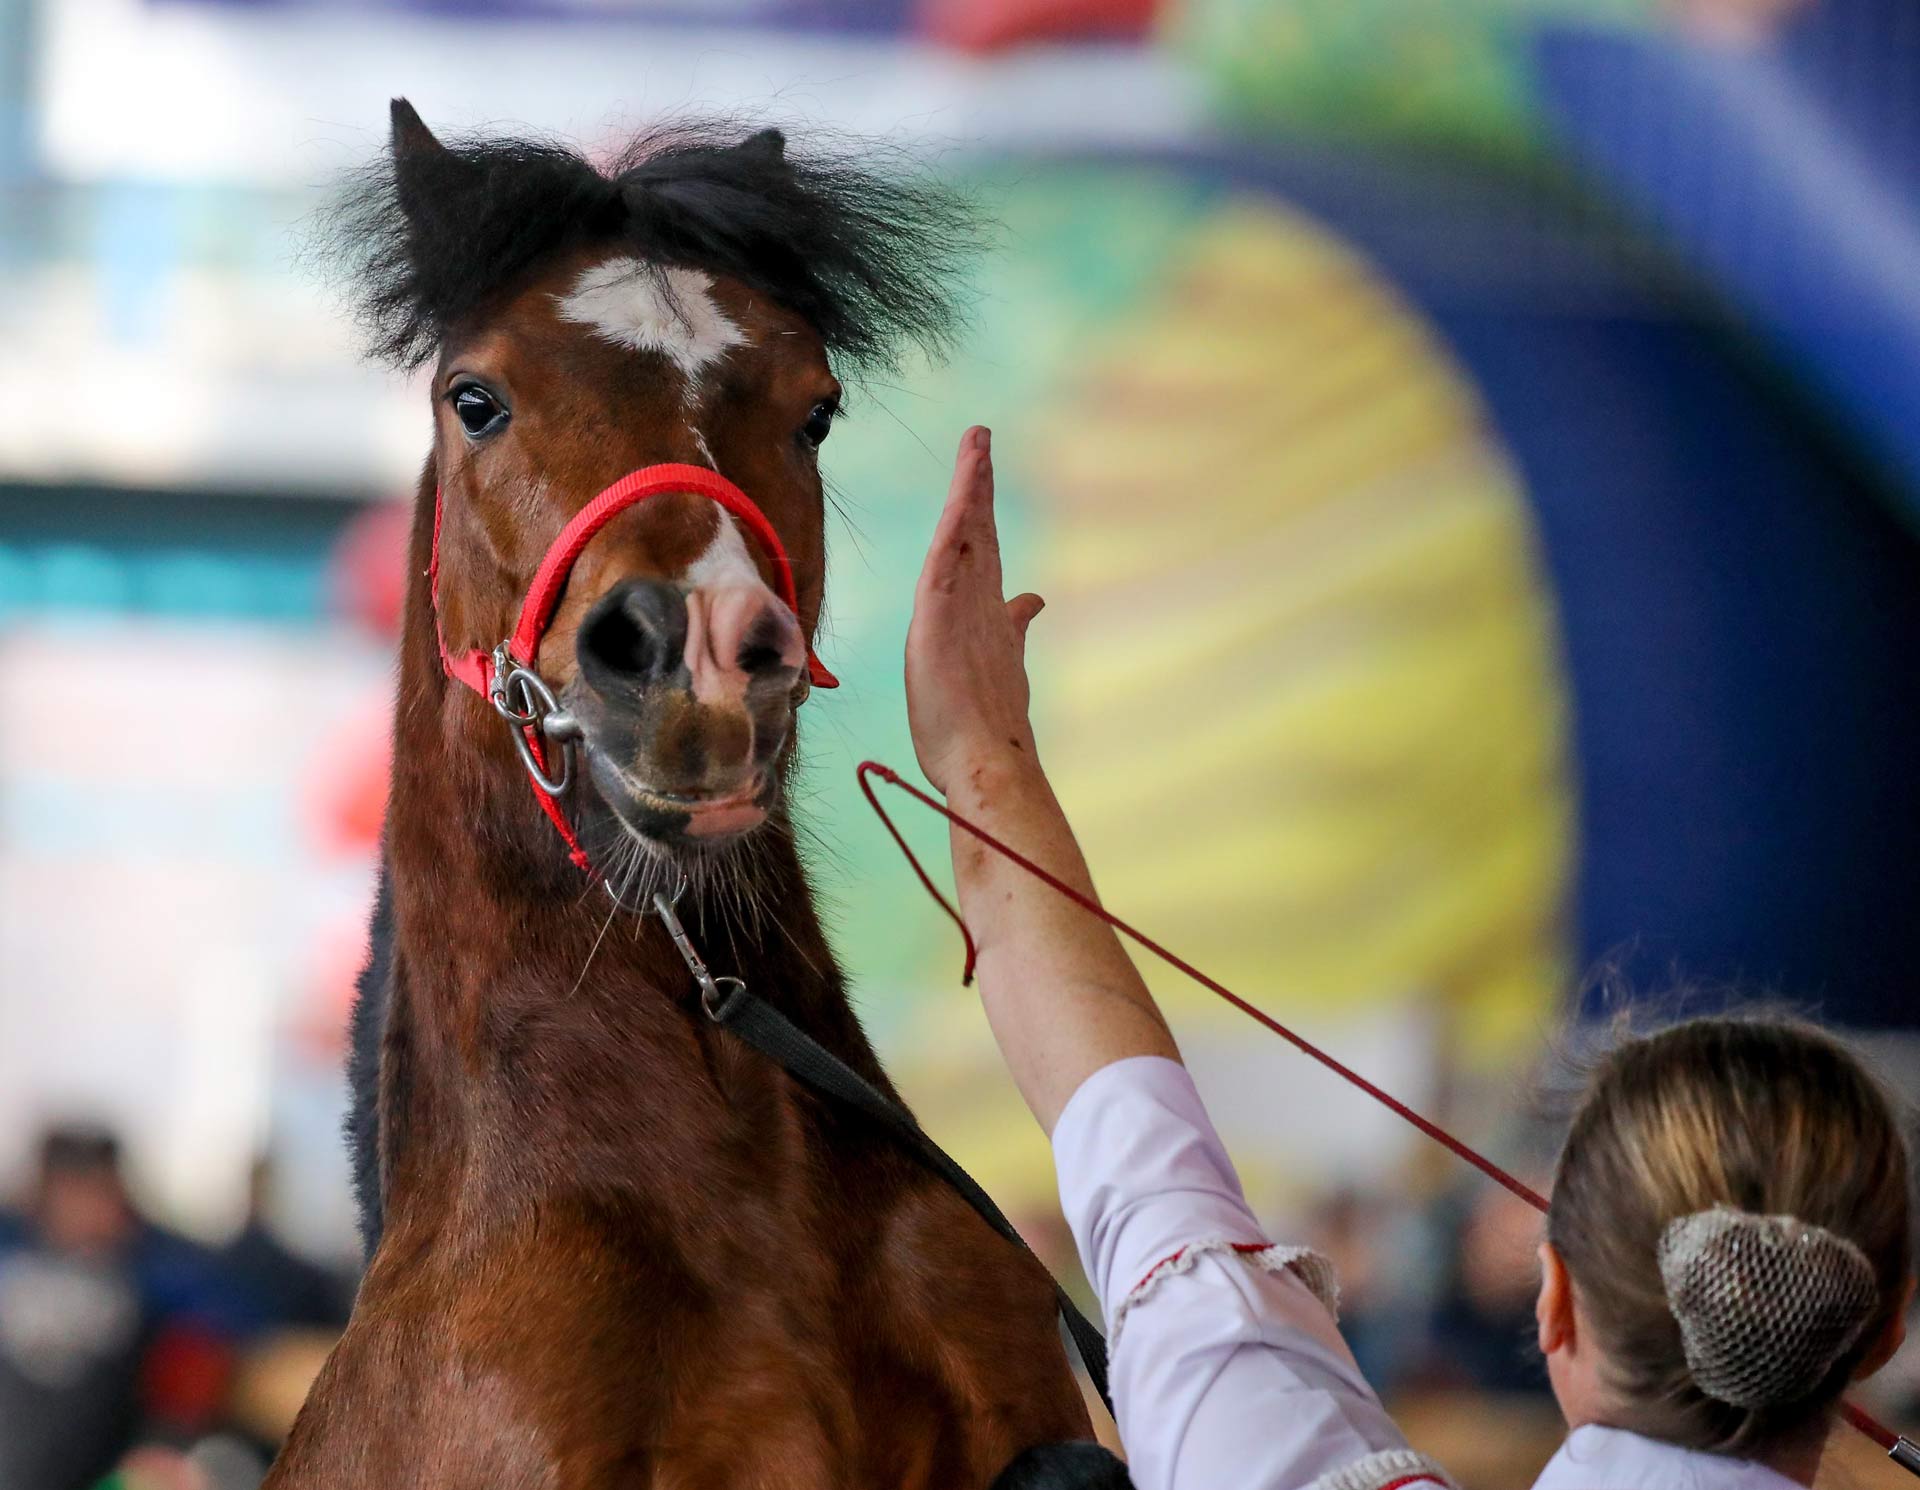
1061,995
1228,1367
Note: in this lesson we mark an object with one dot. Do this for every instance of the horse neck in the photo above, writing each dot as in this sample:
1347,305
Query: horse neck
527,1013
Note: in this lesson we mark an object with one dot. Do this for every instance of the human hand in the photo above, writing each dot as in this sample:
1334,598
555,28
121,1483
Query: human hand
967,692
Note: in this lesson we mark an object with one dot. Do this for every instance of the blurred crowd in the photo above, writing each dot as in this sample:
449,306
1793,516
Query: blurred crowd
135,1358
132,1355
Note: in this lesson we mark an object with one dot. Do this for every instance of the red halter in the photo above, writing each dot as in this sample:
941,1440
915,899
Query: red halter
508,670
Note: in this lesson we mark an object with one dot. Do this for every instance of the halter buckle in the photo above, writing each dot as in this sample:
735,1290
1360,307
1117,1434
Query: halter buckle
521,697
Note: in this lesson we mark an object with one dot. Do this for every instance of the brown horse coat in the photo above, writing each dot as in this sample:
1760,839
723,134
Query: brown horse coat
616,1247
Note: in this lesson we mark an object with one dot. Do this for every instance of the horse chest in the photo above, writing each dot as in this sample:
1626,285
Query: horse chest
622,1249
558,1359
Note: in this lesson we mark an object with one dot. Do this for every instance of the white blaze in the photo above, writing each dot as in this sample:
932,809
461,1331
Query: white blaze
700,444
724,566
651,308
725,562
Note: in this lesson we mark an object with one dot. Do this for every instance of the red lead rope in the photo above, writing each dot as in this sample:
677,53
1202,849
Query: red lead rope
1306,1047
867,769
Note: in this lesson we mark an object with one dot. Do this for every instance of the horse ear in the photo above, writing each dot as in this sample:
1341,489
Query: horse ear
769,145
410,133
425,172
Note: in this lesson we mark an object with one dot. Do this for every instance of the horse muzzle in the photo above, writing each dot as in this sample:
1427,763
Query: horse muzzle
685,698
632,716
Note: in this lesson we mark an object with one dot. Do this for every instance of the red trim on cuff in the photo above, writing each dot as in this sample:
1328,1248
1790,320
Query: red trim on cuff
1172,1257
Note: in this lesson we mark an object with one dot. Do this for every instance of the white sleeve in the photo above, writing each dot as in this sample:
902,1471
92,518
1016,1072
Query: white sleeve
1227,1367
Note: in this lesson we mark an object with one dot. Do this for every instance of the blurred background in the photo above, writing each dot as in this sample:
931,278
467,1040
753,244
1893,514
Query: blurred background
1471,449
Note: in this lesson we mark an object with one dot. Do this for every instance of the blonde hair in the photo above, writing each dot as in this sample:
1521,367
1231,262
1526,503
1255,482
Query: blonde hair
1769,1117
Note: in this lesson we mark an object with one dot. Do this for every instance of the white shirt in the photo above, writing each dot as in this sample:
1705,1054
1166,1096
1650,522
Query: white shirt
1596,1458
1228,1370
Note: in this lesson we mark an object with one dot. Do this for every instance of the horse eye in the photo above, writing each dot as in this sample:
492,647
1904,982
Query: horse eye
820,422
480,412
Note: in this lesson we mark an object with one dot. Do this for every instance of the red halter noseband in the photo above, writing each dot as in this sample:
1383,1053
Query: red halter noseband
506,678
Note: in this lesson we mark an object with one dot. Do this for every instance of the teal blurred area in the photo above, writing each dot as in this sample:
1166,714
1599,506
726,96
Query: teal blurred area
75,551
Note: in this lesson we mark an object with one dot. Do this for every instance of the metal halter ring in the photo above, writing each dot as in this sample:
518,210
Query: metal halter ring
522,698
717,993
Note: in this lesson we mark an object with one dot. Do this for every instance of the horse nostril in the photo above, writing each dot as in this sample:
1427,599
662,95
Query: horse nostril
635,634
757,660
767,650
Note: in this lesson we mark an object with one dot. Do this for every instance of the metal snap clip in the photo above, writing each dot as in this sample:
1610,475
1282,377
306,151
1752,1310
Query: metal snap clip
715,993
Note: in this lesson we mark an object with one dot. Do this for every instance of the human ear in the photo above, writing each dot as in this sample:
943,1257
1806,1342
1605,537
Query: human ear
1553,1311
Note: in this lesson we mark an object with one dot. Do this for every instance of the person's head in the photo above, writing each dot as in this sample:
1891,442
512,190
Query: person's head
1730,1241
80,1201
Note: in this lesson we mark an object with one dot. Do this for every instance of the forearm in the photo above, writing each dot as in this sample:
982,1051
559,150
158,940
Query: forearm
1060,992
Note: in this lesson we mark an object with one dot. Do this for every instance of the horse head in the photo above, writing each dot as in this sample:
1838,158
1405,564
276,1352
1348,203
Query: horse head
685,306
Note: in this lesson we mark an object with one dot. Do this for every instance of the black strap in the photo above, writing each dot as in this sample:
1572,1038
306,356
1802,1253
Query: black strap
788,1046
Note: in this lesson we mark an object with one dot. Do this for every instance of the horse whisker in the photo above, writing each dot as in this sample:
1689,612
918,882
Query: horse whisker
591,951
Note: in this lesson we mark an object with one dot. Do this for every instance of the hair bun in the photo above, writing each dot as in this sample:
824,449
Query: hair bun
1767,1305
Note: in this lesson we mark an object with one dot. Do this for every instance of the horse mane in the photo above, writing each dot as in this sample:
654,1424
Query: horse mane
871,257
366,1031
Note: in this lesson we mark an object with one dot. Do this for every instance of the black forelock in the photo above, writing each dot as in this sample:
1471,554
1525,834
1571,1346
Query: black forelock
848,235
